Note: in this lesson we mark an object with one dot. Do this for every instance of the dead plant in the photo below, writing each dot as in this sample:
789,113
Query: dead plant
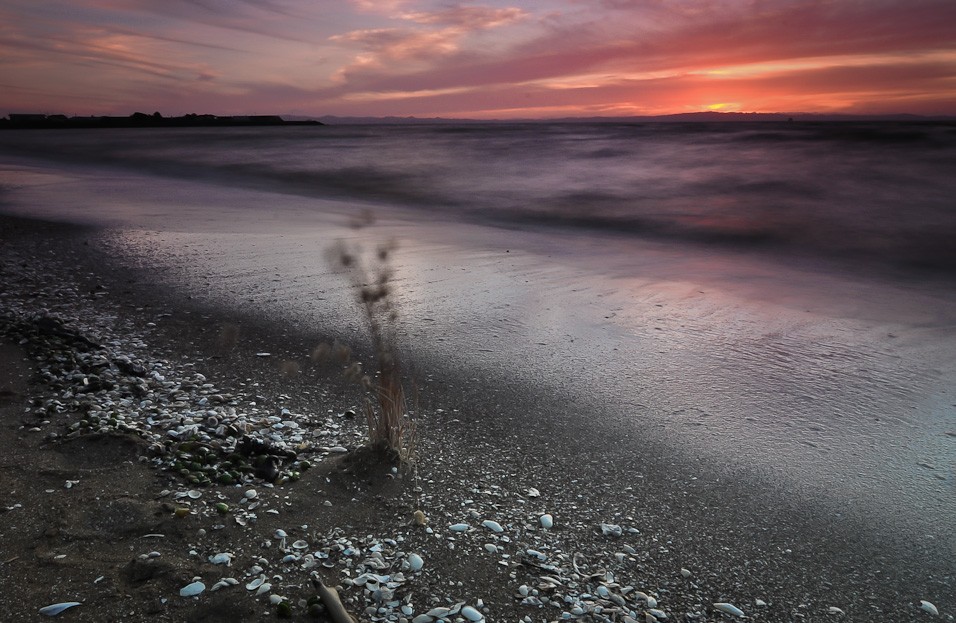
390,428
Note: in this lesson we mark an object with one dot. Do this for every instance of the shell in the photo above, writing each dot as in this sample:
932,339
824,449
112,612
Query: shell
729,609
928,607
471,614
609,529
55,609
494,526
191,590
458,527
547,521
415,562
225,558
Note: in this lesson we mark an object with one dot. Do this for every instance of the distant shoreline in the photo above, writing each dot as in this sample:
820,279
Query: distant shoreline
142,120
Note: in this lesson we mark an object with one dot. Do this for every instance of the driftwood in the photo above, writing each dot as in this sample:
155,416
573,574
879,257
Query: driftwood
333,604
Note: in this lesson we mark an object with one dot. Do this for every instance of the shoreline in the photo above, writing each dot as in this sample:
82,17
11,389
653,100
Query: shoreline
738,546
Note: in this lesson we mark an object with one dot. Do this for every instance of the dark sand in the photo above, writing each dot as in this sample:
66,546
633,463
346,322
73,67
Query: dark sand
483,443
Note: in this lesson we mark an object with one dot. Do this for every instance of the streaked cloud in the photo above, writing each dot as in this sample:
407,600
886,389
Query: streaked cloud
431,57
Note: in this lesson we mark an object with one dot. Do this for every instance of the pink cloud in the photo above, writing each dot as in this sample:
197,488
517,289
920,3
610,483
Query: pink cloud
468,17
773,33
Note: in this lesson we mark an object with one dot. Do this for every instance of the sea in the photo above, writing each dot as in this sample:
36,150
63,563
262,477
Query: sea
777,297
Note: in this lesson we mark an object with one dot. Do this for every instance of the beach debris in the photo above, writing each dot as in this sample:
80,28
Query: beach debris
330,597
533,493
471,614
728,608
459,527
192,589
835,610
547,521
494,526
55,609
928,607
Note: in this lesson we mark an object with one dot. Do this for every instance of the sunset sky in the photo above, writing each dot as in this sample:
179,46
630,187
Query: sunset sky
490,59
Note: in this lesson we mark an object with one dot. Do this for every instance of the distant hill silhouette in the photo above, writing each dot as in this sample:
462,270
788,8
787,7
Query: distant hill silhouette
142,120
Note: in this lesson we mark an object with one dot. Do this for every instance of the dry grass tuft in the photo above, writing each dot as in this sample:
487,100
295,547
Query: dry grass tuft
390,428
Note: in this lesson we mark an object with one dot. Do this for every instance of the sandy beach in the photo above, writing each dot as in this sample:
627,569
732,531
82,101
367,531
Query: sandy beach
629,514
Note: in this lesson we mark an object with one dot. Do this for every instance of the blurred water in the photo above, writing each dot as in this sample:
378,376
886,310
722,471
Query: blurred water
875,193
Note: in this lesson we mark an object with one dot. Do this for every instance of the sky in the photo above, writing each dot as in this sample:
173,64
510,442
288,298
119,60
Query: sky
487,59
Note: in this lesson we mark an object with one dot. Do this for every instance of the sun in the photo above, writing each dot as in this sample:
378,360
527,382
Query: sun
723,106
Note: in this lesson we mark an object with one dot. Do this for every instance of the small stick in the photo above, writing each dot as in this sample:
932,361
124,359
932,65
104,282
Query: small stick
333,604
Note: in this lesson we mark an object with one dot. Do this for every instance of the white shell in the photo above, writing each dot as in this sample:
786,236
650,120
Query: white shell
494,526
835,610
194,495
251,586
251,494
415,562
471,614
191,590
547,521
729,609
458,527
225,558
55,609
220,584
928,607
609,529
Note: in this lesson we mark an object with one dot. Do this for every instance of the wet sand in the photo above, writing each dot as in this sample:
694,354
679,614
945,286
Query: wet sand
486,439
